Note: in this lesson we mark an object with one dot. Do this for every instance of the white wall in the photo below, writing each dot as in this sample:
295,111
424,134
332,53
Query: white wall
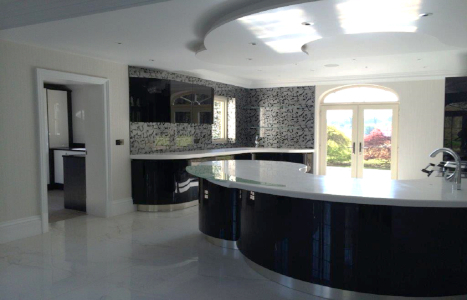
78,113
421,122
19,140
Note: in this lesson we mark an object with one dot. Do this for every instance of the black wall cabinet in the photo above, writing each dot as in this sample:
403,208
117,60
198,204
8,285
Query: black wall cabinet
160,100
455,116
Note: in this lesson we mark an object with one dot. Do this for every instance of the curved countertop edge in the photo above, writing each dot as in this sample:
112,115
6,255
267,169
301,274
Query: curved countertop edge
365,200
215,152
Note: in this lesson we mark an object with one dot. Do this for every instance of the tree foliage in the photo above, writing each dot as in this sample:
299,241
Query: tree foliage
338,146
377,145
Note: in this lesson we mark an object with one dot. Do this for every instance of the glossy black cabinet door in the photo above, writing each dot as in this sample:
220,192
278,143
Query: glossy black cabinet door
375,249
219,211
203,104
455,116
74,179
181,102
156,182
149,100
159,100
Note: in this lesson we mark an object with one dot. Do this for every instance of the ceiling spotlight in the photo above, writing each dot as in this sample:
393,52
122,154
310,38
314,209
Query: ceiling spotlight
331,65
307,23
425,15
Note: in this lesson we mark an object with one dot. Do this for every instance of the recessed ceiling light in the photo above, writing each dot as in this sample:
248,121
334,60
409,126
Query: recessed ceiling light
119,43
366,67
424,67
354,59
419,59
425,15
151,60
307,23
250,58
331,65
253,43
312,70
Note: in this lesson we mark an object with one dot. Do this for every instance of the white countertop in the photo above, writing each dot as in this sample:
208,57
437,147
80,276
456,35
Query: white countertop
286,179
216,152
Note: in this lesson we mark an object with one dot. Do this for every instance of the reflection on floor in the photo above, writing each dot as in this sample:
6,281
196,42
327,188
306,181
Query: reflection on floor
57,211
132,256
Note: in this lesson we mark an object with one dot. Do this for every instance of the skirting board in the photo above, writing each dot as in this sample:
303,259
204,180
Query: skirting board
122,206
20,229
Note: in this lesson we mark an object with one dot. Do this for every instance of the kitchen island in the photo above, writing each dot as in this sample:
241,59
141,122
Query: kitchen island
341,238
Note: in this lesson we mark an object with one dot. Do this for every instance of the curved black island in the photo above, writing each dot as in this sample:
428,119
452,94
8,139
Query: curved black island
348,239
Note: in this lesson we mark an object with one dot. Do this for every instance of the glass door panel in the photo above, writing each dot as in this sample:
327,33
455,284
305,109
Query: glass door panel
340,142
376,142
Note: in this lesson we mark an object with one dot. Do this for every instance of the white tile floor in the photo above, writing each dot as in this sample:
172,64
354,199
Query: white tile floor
133,256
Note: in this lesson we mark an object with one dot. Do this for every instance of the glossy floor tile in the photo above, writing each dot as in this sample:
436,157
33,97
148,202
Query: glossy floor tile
133,256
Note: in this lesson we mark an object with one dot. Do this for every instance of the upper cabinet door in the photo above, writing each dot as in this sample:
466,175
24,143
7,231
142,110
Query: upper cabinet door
149,100
159,100
181,102
203,104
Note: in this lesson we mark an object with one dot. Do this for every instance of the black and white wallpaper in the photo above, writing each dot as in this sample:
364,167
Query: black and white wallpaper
282,117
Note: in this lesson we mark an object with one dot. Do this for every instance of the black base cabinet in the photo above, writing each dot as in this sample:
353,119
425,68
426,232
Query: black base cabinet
162,182
384,250
166,182
219,211
74,176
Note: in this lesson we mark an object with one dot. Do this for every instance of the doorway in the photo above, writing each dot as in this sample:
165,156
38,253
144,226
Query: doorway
359,134
97,157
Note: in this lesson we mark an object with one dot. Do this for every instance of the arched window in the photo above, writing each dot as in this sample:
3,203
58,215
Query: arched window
360,94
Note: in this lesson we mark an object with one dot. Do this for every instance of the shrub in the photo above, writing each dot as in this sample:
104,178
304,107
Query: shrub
338,146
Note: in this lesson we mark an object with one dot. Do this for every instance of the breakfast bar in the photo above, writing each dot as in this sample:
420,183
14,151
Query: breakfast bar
339,238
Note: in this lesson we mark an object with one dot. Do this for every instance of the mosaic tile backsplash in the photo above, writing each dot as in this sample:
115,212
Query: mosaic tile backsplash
282,117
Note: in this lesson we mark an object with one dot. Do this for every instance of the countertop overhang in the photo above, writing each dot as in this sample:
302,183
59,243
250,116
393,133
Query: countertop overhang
215,152
286,179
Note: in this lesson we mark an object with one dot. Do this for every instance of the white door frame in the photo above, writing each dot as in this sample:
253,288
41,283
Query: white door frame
43,76
357,137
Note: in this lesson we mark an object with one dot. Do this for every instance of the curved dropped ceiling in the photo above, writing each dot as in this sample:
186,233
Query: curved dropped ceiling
291,32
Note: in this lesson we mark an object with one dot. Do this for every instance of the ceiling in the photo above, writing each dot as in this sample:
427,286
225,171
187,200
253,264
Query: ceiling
212,39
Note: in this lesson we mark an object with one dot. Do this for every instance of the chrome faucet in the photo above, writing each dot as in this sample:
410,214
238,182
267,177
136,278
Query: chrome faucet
257,141
456,176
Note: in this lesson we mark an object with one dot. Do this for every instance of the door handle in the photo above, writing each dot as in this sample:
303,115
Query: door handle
360,148
353,148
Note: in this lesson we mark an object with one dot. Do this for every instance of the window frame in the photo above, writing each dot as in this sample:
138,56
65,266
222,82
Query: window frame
224,122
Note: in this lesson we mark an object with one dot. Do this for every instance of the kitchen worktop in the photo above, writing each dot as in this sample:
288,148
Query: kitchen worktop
216,152
288,179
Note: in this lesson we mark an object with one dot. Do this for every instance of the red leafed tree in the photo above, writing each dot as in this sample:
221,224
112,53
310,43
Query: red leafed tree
377,145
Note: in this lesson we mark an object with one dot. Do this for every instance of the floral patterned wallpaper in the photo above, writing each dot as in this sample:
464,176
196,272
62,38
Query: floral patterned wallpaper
282,117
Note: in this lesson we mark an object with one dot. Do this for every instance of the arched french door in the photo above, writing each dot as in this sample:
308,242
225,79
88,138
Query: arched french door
358,132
